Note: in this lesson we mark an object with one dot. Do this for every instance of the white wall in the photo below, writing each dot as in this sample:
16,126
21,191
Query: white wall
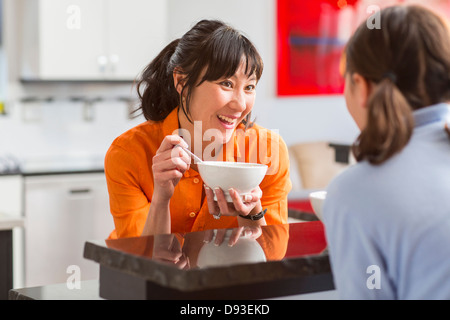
60,130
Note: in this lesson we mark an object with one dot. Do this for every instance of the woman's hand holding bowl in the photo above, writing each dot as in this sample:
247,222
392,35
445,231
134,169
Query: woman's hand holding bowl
248,204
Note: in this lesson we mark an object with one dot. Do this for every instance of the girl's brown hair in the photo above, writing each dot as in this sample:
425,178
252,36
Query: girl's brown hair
408,59
210,45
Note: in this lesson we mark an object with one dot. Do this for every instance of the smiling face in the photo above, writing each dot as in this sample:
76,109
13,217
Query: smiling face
221,104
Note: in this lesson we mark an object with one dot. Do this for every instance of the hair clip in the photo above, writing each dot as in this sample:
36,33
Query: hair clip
391,76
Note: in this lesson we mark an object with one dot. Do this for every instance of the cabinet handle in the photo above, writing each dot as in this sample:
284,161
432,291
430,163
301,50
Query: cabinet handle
79,191
102,62
114,60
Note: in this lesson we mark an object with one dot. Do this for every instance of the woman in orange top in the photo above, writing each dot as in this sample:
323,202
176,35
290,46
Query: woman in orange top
198,92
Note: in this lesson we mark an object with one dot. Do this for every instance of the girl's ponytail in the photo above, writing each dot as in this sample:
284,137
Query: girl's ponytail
159,96
407,63
389,124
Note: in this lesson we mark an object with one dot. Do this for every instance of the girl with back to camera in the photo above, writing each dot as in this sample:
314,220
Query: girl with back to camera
387,218
201,83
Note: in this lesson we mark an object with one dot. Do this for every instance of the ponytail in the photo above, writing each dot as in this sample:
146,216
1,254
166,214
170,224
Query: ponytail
389,124
159,96
402,82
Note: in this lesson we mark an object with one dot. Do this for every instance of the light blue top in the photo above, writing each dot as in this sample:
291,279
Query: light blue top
388,226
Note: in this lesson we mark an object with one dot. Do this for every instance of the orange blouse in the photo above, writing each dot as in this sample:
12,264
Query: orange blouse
128,169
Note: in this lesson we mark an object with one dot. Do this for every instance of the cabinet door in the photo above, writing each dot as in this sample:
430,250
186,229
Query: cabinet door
91,39
136,33
11,194
62,213
72,39
63,39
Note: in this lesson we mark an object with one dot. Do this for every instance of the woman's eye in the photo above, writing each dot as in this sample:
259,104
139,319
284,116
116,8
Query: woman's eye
250,87
227,84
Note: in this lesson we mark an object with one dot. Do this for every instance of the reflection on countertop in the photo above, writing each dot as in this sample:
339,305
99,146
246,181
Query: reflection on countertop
282,260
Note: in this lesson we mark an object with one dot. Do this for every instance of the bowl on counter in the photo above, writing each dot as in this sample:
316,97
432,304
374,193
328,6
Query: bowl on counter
241,176
317,199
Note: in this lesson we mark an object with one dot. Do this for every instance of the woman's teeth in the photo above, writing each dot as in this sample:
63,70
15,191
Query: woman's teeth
226,119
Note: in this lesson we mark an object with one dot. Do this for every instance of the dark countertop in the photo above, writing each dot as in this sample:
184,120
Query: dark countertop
61,172
54,169
283,260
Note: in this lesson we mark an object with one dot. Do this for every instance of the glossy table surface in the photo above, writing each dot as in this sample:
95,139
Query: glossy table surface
204,260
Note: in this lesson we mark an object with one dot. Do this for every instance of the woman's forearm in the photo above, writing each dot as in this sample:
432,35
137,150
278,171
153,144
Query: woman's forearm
158,218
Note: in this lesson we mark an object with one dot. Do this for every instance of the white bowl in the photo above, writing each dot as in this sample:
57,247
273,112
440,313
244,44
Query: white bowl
241,176
245,250
317,199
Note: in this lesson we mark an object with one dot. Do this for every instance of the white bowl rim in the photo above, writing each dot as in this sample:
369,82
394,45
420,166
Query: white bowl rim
231,164
318,194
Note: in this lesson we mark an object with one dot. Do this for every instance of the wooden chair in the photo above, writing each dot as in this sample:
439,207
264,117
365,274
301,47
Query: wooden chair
315,163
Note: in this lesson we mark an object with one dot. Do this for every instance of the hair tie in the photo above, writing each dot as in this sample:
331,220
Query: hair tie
390,75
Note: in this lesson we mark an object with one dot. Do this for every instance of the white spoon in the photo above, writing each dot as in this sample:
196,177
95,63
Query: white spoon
191,153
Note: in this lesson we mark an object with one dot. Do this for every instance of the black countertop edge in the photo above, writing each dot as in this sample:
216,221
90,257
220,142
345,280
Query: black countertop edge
76,81
302,215
208,278
59,172
51,172
10,173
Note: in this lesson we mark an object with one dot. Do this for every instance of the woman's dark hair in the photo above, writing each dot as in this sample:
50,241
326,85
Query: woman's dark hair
409,60
210,45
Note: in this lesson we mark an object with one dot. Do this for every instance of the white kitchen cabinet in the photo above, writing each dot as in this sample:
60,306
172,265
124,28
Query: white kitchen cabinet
11,187
137,32
62,212
91,39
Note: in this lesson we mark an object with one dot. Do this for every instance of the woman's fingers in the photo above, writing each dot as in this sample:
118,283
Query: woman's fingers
220,235
167,148
212,205
221,201
245,204
208,235
240,205
168,165
183,262
235,235
170,141
170,160
253,232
